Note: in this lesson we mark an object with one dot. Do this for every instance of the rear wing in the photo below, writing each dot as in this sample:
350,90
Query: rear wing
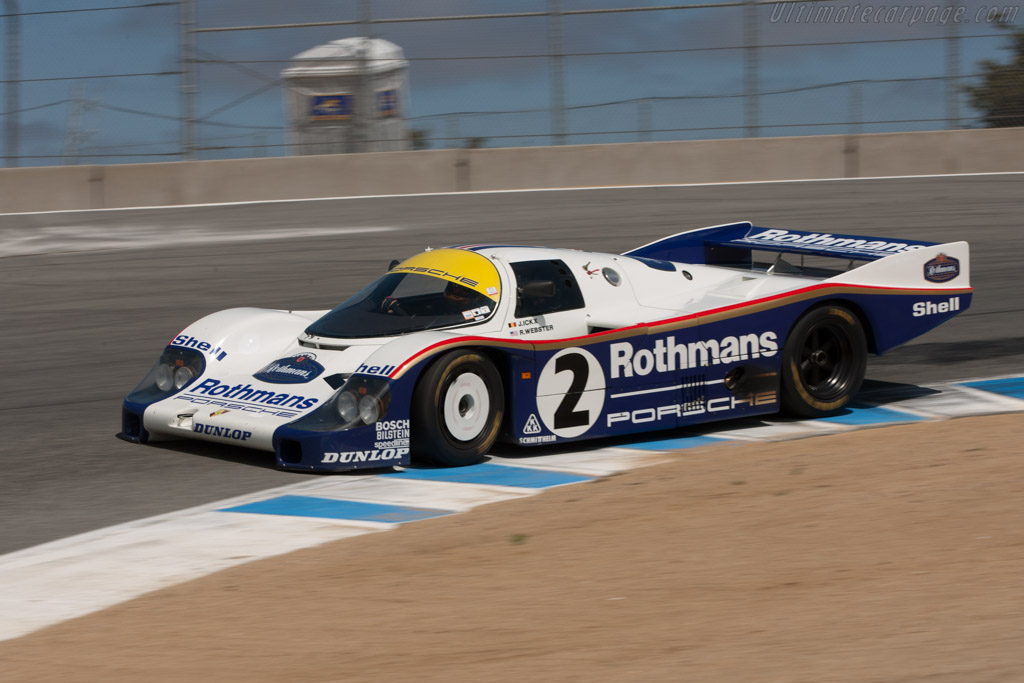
723,242
849,258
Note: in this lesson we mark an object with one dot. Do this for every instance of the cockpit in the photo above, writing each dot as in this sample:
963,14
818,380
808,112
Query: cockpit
433,289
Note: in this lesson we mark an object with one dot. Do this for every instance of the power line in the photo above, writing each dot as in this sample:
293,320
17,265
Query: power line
268,84
523,136
36,108
138,112
608,53
237,101
477,17
89,9
89,78
95,156
168,117
706,96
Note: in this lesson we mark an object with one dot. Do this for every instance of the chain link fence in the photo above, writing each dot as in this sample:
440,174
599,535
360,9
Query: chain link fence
186,79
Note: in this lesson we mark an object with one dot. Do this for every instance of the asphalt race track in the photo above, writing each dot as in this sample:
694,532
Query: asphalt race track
90,298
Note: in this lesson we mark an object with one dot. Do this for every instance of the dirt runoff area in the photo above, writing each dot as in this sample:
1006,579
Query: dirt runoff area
883,555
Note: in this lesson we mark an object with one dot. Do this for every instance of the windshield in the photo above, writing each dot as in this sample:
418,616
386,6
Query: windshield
441,288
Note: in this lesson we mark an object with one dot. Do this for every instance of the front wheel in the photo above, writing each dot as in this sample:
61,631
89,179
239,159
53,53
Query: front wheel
823,362
457,409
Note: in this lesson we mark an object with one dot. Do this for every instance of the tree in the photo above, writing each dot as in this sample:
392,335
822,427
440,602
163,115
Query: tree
1000,96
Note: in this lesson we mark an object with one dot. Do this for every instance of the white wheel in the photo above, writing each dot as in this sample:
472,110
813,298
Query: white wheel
457,409
466,407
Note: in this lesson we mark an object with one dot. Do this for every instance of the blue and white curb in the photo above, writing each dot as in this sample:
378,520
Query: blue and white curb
57,581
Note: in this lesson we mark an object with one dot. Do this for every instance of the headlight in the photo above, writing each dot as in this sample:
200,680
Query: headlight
359,402
369,409
348,407
173,371
164,377
183,376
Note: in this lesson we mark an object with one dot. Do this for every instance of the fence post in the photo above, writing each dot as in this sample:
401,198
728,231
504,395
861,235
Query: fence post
855,102
751,67
364,108
555,55
188,79
12,74
452,131
952,72
643,121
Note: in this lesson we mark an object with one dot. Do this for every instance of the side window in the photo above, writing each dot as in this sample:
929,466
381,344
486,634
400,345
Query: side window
534,296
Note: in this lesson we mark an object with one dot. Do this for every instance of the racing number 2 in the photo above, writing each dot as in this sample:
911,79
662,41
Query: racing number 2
566,414
570,392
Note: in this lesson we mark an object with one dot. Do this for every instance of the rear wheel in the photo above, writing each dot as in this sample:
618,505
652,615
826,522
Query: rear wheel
457,409
823,362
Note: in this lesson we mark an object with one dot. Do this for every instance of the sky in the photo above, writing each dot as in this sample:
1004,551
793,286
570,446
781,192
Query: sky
677,74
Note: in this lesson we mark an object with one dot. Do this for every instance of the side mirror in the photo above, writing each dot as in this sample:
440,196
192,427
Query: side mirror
539,288
394,262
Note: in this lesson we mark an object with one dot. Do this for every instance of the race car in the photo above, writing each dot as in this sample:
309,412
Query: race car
455,348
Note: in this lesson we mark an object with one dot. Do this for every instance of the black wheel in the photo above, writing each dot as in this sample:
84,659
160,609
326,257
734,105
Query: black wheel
823,362
457,409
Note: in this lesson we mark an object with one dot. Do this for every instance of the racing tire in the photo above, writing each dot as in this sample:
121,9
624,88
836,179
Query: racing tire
457,409
823,362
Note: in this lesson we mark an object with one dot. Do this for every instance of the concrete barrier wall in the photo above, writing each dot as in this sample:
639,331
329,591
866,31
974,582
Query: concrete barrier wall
654,163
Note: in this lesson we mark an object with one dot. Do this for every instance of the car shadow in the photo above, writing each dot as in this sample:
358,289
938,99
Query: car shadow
880,393
873,392
223,452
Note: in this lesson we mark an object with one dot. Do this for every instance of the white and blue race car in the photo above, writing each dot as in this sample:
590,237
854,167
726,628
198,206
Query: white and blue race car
455,348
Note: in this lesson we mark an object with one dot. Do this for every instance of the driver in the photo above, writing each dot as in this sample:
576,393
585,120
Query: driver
458,298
